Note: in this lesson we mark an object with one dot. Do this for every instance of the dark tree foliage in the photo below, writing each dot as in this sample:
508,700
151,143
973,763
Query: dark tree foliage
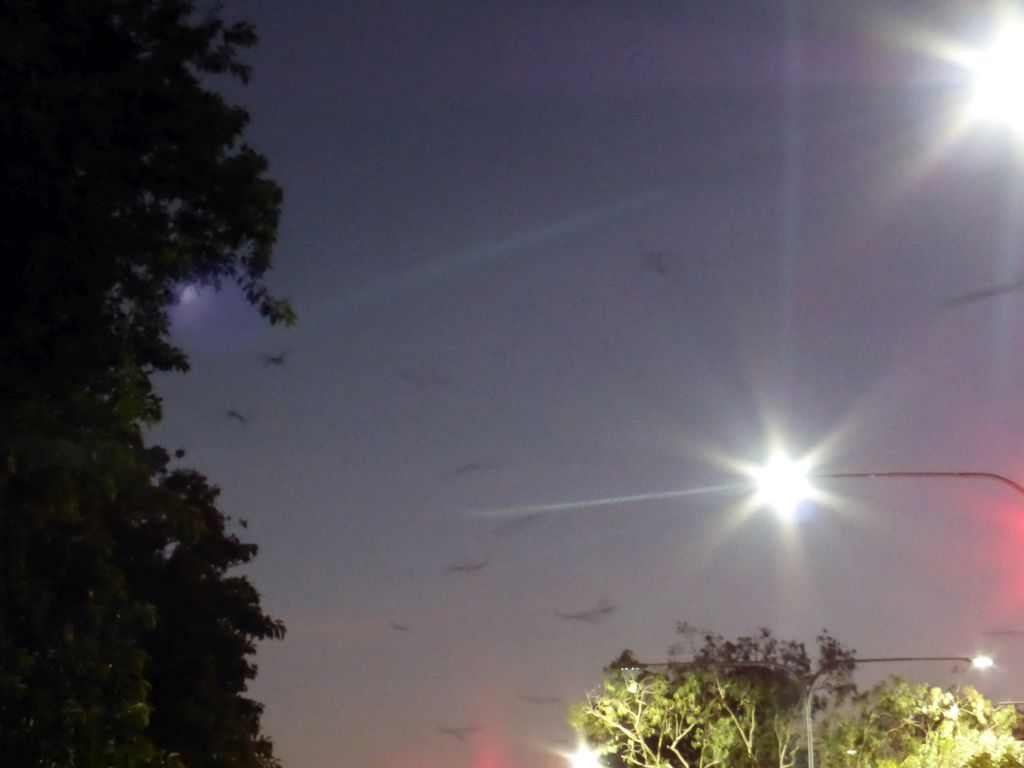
123,178
177,554
74,688
829,676
124,639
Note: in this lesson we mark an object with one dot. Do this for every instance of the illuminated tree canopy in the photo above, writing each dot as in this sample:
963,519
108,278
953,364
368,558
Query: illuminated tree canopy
900,725
741,704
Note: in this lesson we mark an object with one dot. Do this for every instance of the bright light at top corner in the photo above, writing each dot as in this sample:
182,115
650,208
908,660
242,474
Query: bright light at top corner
999,77
782,485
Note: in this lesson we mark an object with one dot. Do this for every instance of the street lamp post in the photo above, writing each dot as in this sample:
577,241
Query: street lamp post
783,483
806,683
1015,486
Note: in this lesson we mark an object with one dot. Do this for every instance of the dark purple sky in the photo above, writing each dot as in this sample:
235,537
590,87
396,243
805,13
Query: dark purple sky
558,251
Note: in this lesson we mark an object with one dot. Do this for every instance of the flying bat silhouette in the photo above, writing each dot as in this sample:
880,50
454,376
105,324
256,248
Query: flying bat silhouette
984,293
422,379
469,567
1004,633
541,700
691,633
236,416
461,732
277,360
688,629
657,263
592,615
517,524
471,467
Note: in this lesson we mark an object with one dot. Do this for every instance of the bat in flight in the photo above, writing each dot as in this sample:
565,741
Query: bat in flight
236,416
659,264
984,293
541,700
517,525
591,615
422,379
469,567
462,733
470,468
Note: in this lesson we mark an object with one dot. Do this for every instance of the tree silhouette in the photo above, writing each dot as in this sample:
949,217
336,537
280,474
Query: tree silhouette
124,640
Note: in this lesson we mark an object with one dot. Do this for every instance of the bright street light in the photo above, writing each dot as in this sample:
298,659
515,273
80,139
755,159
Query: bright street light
995,70
783,483
999,77
584,757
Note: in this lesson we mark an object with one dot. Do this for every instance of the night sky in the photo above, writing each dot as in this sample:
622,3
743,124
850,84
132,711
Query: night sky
550,252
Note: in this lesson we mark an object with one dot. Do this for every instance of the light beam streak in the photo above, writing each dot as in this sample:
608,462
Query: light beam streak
446,266
792,185
610,501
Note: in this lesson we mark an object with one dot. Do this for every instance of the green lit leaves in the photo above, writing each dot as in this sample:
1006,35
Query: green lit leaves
899,725
698,719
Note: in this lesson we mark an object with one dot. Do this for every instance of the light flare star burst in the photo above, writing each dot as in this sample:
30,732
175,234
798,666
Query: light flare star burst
994,69
783,485
999,77
583,757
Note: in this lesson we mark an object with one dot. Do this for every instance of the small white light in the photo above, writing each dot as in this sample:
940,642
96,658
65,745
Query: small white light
982,662
584,757
188,294
851,751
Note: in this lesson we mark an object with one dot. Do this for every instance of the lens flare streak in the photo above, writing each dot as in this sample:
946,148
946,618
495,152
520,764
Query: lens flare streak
611,501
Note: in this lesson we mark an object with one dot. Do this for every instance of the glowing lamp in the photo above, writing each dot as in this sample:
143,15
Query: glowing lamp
782,485
584,757
999,77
